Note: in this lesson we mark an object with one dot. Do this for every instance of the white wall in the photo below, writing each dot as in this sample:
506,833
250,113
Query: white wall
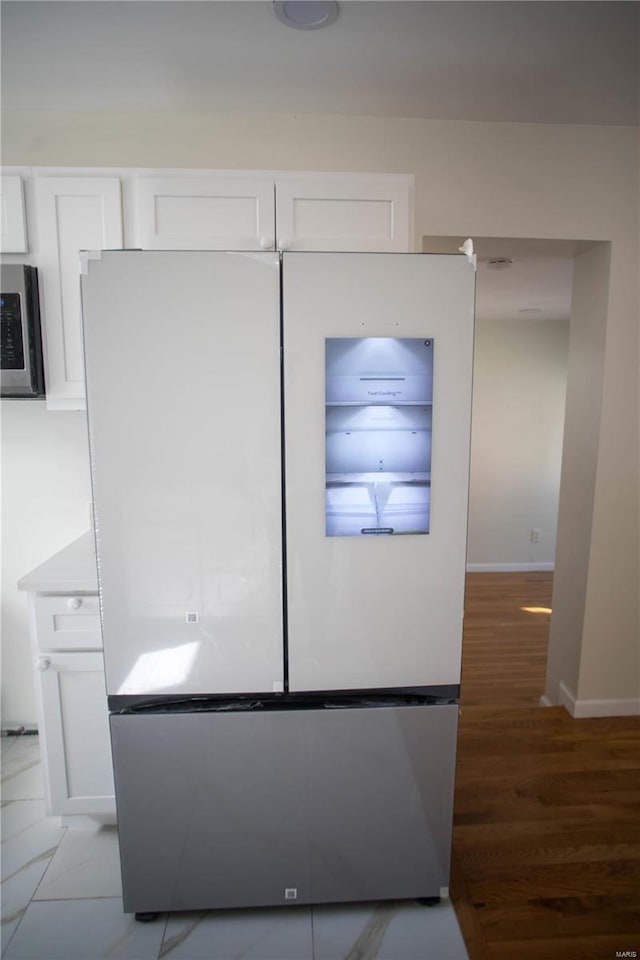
583,654
483,179
45,505
519,389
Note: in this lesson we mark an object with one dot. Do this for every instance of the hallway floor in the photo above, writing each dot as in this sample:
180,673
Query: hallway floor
546,841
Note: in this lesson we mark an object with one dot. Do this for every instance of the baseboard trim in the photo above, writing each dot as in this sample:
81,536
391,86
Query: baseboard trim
584,709
508,567
567,699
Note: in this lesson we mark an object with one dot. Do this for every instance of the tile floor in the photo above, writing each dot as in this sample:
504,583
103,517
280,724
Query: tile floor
61,901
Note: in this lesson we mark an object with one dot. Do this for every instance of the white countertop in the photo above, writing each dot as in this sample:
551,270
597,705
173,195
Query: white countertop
71,570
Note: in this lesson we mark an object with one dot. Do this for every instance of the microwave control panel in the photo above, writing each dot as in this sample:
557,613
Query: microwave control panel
12,356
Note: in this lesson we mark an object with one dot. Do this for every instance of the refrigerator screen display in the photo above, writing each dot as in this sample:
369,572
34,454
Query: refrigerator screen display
378,416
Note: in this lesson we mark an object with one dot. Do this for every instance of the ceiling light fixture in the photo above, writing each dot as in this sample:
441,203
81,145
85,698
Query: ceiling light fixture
305,14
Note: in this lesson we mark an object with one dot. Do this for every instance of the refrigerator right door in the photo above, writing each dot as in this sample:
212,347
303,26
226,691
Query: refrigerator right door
377,382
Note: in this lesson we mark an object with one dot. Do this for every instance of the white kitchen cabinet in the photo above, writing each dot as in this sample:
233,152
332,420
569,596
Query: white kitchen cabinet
66,649
205,213
75,733
75,209
314,211
73,213
356,214
13,223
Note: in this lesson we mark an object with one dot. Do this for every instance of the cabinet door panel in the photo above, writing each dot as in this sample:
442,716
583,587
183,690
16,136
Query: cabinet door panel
74,214
76,746
344,215
205,213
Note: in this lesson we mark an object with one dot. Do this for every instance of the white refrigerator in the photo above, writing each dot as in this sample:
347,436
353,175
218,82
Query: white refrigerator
280,457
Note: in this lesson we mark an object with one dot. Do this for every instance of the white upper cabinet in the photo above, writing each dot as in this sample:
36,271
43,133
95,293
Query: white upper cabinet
312,211
74,209
73,213
13,225
205,213
359,214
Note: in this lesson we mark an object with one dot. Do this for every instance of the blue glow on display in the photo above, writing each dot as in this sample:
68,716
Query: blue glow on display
378,419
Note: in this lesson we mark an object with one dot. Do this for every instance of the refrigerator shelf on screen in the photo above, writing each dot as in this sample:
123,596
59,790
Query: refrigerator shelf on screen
378,421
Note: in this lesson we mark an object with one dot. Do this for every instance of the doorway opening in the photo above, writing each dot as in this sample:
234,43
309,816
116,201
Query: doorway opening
521,364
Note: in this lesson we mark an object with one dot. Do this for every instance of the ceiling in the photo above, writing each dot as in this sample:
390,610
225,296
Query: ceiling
554,61
529,289
492,60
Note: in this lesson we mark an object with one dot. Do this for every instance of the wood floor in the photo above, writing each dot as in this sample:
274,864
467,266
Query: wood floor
546,850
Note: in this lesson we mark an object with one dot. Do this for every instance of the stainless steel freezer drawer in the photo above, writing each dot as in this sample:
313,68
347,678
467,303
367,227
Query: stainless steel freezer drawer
268,807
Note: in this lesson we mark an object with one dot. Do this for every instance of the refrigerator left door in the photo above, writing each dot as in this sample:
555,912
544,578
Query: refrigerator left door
182,357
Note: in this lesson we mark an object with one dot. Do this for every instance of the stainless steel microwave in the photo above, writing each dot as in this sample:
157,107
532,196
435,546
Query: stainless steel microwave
21,368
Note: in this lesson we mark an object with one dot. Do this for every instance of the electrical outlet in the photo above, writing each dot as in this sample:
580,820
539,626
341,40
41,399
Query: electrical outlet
536,534
291,893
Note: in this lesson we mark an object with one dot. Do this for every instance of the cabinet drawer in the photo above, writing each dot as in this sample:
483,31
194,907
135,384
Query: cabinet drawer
70,622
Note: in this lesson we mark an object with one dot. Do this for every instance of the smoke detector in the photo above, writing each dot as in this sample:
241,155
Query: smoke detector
305,14
500,263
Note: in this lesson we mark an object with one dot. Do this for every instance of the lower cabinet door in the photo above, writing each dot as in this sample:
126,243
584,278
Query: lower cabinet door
76,751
